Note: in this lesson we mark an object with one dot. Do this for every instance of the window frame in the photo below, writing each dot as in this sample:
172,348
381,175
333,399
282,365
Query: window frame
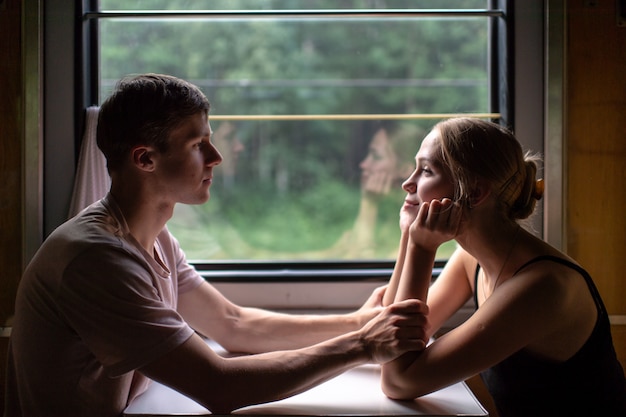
79,65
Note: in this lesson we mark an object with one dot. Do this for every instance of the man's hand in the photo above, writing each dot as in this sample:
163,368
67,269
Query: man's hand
401,327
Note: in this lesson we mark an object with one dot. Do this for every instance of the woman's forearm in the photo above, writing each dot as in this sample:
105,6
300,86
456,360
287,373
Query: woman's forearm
394,281
416,274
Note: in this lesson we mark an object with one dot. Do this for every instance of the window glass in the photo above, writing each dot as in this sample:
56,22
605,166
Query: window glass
318,115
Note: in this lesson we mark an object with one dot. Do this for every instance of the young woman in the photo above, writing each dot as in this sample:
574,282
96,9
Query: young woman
540,335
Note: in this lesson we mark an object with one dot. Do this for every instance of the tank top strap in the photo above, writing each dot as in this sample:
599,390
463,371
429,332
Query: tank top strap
550,258
592,288
476,286
583,272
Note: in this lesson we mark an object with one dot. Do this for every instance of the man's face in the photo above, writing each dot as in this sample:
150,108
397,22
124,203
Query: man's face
185,171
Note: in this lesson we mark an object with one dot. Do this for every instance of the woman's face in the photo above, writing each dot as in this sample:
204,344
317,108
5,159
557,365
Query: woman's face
379,168
430,180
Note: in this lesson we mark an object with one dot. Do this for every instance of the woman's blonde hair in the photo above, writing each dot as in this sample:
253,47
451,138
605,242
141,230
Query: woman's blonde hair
474,150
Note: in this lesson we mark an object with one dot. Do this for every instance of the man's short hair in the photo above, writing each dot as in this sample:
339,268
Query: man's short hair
143,110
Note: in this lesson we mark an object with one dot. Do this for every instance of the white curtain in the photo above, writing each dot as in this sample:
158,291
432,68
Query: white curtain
92,181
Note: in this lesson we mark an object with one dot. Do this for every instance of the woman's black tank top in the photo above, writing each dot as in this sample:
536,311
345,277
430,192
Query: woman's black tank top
590,383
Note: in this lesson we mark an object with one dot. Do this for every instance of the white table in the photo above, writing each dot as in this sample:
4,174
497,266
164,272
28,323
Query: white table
355,393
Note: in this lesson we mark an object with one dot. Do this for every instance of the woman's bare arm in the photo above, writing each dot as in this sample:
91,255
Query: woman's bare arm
503,325
394,281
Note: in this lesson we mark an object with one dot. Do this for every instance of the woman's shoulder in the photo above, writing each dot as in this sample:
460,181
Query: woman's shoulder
552,282
545,269
547,258
562,303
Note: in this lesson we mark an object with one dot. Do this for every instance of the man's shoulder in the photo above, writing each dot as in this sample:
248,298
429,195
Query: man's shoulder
94,229
96,223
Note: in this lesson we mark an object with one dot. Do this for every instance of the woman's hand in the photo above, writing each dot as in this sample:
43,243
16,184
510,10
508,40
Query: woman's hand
372,306
436,222
375,299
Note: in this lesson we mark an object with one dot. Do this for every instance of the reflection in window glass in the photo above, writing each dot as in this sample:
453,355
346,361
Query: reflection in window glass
310,114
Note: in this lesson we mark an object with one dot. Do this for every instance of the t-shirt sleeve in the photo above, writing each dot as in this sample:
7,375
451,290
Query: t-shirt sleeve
111,299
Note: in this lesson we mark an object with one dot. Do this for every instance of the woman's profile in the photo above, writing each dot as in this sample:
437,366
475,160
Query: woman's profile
385,166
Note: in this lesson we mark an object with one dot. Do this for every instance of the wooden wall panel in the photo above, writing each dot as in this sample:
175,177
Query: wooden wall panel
596,146
596,151
619,340
11,139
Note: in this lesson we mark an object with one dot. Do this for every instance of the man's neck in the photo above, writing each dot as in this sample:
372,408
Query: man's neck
145,216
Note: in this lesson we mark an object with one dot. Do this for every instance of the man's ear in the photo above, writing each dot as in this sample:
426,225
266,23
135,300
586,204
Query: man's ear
143,158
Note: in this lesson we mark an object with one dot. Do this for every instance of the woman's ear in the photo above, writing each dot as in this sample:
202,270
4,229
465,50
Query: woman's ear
142,157
479,194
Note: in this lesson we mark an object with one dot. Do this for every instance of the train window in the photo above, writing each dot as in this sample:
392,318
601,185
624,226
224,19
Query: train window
318,108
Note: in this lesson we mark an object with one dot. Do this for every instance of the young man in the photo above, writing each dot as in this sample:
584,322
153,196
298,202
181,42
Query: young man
110,300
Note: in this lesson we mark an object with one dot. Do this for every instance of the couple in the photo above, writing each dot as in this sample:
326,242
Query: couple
110,301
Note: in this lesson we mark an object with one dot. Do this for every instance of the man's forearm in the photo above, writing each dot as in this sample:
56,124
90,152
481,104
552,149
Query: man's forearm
257,330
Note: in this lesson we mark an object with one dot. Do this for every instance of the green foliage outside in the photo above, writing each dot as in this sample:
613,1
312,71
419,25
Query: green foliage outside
296,187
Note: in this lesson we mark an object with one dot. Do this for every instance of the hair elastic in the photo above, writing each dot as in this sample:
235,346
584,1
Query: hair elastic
539,189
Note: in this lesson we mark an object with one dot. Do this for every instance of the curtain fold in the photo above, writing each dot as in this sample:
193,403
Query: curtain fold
92,181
